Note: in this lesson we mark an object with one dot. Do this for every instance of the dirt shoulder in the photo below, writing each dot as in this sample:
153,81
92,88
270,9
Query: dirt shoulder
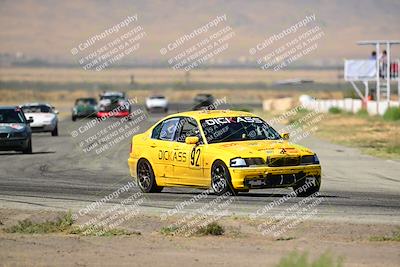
241,244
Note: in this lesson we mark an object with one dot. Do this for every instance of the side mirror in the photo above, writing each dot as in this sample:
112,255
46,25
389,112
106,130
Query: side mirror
285,136
30,120
191,140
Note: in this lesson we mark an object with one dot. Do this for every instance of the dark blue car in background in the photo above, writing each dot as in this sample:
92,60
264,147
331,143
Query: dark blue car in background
15,132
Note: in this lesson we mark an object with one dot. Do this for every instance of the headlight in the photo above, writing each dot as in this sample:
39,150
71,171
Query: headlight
246,162
316,159
309,159
238,162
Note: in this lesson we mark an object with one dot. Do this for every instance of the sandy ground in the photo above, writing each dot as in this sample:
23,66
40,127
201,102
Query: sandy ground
242,244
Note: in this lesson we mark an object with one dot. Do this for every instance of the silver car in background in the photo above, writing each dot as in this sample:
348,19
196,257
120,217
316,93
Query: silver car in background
44,117
157,103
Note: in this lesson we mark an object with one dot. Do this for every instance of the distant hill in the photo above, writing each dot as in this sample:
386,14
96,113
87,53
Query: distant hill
48,29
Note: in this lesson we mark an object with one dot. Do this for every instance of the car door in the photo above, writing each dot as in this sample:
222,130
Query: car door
188,168
161,144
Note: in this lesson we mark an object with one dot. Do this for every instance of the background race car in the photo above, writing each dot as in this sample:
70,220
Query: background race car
84,107
157,103
44,117
202,101
113,104
15,133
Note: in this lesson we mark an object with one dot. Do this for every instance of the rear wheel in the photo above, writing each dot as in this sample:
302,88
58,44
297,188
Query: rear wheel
73,118
221,179
307,186
146,178
55,131
28,149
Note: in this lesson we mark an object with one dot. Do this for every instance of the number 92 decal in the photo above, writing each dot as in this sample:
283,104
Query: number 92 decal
195,157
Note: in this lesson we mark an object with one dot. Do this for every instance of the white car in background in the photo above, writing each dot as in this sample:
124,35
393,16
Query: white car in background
157,102
44,117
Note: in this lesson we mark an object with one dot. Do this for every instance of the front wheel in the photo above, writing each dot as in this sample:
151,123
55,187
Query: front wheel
55,131
146,178
307,186
221,179
28,149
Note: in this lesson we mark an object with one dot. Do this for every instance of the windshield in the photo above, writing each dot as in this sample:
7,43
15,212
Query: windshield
11,116
86,101
230,129
112,97
37,109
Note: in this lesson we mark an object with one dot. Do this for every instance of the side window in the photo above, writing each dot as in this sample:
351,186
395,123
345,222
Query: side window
155,134
188,127
168,129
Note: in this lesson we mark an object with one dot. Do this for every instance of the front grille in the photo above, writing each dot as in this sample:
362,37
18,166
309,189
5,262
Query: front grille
283,161
254,161
3,135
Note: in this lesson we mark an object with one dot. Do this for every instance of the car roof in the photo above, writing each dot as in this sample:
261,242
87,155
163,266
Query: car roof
8,107
84,98
109,93
36,104
208,114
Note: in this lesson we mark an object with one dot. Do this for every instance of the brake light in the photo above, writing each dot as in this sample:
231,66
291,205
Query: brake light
130,151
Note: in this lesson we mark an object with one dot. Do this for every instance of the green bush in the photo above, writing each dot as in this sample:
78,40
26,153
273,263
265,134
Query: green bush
62,224
296,260
211,229
392,114
335,110
362,113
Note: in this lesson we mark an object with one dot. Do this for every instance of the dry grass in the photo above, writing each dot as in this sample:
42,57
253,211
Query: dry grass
165,75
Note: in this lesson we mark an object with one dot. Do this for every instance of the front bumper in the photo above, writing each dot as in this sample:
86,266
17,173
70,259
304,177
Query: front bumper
42,128
271,177
102,114
7,144
87,113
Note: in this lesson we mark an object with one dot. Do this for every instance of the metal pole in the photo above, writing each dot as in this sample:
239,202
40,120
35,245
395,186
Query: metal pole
398,81
378,89
388,73
366,94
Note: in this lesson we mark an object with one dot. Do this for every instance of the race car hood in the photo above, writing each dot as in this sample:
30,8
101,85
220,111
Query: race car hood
82,108
39,117
263,148
104,102
12,127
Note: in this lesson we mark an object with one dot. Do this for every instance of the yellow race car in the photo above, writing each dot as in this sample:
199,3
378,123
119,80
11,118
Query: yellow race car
229,151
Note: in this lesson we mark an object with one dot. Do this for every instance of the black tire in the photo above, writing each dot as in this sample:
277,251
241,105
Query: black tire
28,149
221,179
165,110
73,118
305,187
146,178
55,131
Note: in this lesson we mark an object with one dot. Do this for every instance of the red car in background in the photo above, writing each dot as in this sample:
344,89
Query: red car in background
113,104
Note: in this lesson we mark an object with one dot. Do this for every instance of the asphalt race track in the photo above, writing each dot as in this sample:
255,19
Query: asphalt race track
67,172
